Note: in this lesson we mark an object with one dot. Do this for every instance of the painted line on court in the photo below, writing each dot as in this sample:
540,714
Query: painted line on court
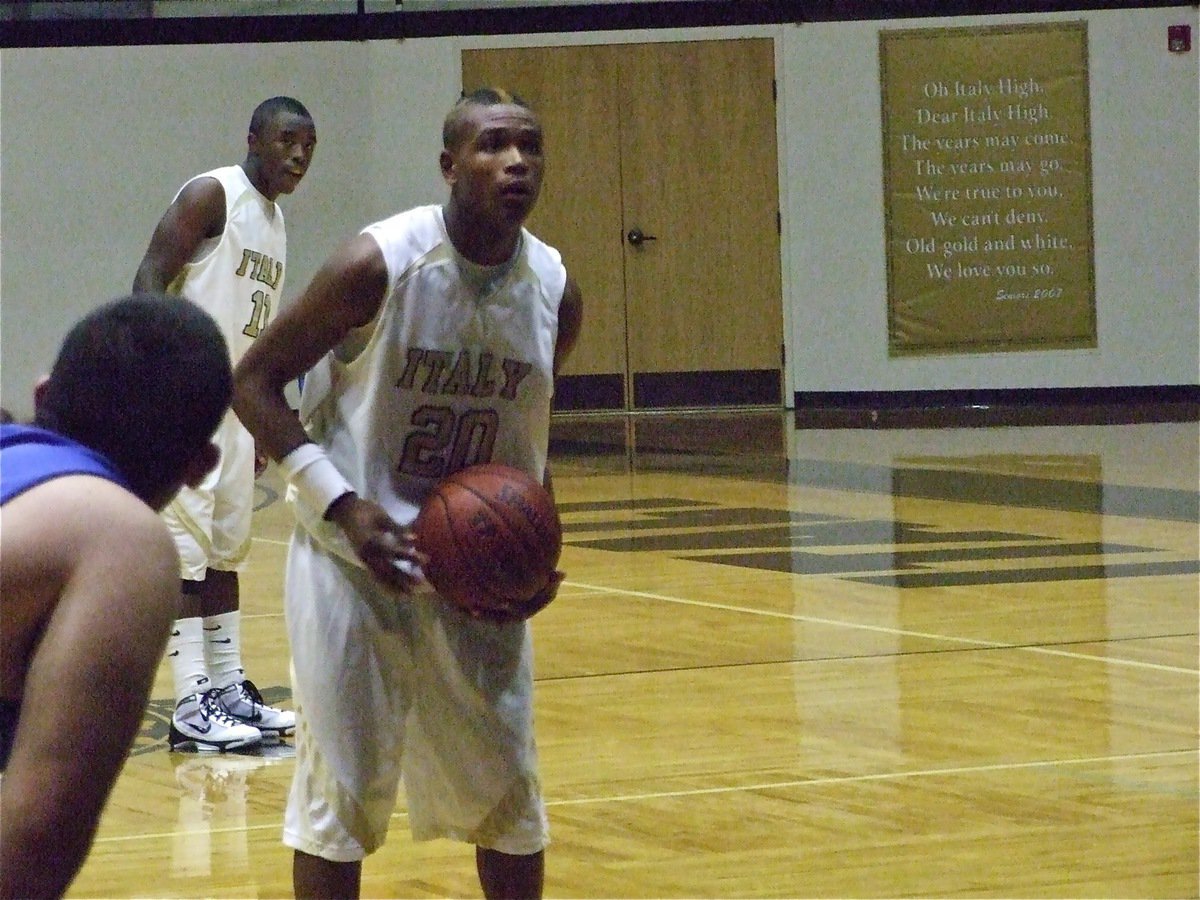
879,776
731,789
882,629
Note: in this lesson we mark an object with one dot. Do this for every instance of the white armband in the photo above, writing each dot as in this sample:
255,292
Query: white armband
317,481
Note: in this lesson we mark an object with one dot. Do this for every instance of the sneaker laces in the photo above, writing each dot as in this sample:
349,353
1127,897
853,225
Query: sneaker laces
251,693
212,709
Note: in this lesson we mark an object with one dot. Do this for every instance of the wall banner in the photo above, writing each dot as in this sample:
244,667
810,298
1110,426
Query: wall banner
987,188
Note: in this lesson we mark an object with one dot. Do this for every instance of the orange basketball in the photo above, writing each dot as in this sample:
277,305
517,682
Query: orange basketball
490,531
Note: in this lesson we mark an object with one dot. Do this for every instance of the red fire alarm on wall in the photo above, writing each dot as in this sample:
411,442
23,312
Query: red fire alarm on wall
1179,38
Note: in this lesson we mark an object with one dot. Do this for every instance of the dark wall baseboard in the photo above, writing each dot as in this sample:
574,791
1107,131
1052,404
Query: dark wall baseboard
991,407
734,387
670,390
575,393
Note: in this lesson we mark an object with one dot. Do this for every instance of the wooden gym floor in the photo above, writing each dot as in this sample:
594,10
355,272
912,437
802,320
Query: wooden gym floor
928,663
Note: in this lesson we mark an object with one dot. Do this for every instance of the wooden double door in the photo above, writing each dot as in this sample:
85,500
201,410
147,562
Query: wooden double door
661,192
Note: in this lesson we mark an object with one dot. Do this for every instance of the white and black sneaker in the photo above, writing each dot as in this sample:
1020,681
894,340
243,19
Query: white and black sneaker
201,724
243,702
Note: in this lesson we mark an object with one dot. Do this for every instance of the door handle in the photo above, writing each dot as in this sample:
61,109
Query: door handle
637,238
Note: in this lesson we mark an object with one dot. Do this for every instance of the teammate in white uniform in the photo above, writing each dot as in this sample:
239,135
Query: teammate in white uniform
222,244
432,338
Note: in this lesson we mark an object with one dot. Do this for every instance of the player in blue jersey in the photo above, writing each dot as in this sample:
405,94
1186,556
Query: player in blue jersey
90,572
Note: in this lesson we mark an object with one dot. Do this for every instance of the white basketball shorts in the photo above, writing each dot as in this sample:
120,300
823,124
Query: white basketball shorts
391,689
211,522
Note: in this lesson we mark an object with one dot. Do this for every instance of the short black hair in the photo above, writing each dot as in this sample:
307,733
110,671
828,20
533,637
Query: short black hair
144,380
268,109
485,96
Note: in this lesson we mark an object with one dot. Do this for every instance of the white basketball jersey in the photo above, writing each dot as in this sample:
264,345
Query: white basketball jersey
237,277
457,368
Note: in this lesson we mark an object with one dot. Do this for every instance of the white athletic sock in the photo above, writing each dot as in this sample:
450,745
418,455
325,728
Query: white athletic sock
223,649
185,649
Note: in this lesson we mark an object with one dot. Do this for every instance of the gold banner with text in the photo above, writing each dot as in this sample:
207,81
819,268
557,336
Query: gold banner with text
987,188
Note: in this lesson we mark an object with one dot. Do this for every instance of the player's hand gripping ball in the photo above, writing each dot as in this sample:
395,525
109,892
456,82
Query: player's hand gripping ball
493,538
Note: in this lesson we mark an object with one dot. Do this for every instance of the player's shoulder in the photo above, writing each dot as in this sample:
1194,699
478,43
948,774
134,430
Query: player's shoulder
541,255
223,175
420,224
545,262
214,182
408,237
90,513
84,529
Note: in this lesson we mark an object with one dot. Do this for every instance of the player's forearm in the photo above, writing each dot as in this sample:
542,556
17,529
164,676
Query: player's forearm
259,401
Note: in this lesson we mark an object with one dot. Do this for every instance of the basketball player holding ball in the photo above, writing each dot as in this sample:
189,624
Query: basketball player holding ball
430,342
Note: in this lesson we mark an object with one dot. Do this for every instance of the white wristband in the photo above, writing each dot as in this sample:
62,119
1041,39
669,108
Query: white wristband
314,476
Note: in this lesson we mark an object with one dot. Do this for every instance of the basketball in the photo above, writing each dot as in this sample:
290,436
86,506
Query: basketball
490,531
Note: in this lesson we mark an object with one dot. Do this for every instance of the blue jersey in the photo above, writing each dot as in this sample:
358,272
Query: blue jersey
30,456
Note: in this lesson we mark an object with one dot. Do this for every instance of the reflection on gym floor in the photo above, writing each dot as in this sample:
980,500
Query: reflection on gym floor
796,663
